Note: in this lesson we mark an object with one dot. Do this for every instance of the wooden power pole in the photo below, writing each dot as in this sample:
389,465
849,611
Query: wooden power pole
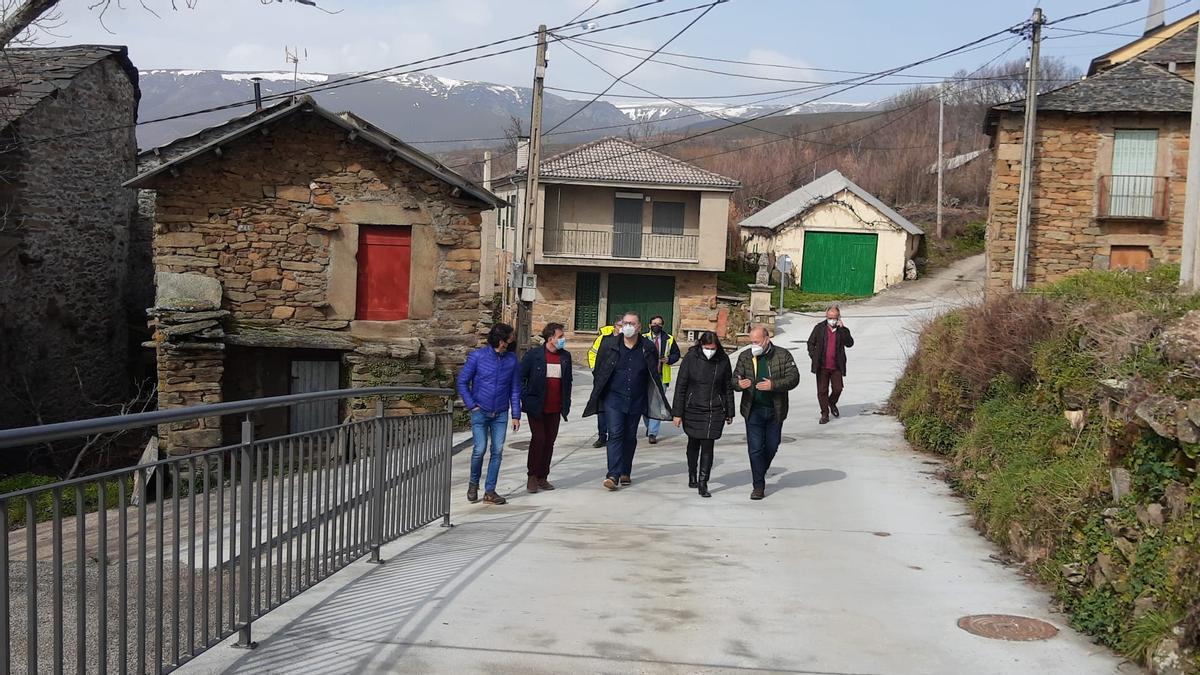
529,224
1189,271
1025,198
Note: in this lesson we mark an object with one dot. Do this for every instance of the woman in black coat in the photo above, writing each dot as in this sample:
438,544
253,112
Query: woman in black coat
703,404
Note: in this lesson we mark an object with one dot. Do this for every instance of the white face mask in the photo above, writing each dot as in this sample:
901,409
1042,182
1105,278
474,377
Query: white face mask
629,330
832,322
757,349
708,353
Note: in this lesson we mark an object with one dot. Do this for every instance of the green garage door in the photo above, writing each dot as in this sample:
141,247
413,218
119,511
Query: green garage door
645,294
839,262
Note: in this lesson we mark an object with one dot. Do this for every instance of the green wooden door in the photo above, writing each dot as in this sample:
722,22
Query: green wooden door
587,300
839,262
646,294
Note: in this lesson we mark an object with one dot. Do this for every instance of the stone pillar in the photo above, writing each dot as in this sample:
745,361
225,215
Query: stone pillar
761,313
189,341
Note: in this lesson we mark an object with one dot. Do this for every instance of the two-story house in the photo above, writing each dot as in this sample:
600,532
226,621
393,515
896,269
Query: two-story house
1109,164
297,249
622,228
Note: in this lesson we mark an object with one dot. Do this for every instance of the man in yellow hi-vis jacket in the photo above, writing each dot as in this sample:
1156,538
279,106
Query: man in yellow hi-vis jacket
601,419
668,355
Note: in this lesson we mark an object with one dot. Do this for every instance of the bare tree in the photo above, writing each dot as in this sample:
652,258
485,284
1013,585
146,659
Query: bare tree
26,16
514,131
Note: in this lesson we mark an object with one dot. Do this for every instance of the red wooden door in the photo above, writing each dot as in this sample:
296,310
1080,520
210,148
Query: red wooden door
384,261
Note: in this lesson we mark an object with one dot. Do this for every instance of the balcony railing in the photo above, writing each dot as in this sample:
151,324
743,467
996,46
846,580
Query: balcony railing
1138,197
622,245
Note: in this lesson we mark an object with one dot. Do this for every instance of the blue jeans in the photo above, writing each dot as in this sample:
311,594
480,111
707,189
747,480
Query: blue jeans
763,433
483,426
602,424
622,442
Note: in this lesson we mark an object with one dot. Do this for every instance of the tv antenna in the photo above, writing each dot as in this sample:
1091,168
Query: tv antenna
292,56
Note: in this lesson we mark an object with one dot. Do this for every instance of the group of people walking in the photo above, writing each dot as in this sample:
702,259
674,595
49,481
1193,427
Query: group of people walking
632,373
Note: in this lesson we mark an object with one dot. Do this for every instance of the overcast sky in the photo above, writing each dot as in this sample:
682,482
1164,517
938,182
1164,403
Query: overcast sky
857,35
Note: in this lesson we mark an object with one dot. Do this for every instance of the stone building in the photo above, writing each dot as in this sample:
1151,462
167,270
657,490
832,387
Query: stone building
1109,166
622,228
840,238
297,249
69,284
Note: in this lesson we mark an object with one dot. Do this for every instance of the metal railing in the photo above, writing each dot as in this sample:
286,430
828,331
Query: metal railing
1142,197
140,569
621,245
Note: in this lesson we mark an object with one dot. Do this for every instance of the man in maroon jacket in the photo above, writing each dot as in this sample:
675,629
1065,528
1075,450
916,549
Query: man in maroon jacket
827,349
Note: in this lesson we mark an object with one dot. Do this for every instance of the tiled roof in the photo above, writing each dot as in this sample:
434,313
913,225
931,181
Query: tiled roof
1133,86
1179,48
822,189
615,160
29,75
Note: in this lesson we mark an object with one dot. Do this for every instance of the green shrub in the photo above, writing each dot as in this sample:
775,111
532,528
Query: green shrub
43,503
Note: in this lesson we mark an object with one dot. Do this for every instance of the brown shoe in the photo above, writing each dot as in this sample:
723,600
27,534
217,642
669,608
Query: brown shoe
610,484
824,420
544,484
493,498
758,493
532,485
472,493
626,480
834,411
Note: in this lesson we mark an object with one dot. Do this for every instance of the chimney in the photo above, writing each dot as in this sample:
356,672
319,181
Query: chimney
487,170
522,153
1155,16
257,93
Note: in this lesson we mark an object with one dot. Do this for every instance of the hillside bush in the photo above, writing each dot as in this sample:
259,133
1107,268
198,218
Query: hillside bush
988,387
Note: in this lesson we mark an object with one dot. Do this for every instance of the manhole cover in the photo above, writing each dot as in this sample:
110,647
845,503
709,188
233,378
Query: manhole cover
1007,627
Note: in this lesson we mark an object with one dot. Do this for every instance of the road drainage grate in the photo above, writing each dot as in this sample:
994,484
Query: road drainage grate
1007,627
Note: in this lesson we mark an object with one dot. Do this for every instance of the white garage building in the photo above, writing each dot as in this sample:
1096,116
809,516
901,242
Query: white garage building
841,238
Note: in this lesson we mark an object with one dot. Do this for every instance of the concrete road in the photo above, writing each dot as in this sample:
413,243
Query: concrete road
858,561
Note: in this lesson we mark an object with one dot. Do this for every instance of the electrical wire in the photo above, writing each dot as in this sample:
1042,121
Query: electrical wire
377,74
639,64
1104,31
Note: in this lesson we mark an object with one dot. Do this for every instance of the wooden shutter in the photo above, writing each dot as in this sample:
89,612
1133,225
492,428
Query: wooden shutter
627,228
384,265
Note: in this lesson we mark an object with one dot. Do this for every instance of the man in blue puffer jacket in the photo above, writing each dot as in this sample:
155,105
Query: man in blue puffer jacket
489,386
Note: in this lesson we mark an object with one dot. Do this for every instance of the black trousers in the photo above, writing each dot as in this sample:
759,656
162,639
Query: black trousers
700,450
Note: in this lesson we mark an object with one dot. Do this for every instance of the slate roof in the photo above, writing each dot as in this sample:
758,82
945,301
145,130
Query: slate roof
1179,48
1132,86
618,161
29,75
184,150
822,189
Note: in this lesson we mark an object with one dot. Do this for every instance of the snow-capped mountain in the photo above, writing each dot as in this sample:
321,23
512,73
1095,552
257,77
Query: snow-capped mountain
420,107
667,116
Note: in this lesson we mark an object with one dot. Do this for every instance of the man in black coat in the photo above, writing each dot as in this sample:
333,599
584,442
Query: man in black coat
626,385
827,348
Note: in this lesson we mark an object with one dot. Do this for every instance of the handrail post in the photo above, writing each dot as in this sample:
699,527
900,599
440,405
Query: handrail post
245,536
447,448
377,499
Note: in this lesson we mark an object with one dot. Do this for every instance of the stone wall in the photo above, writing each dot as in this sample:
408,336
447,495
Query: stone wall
1072,153
695,301
64,277
695,298
275,218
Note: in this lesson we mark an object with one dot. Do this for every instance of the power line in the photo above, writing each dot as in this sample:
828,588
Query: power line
375,75
1011,29
1104,31
639,64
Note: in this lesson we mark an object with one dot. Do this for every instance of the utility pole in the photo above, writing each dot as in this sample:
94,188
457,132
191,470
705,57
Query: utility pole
1189,270
532,171
941,162
1025,199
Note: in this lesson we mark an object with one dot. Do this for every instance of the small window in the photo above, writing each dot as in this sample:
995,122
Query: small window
668,218
384,265
1135,155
